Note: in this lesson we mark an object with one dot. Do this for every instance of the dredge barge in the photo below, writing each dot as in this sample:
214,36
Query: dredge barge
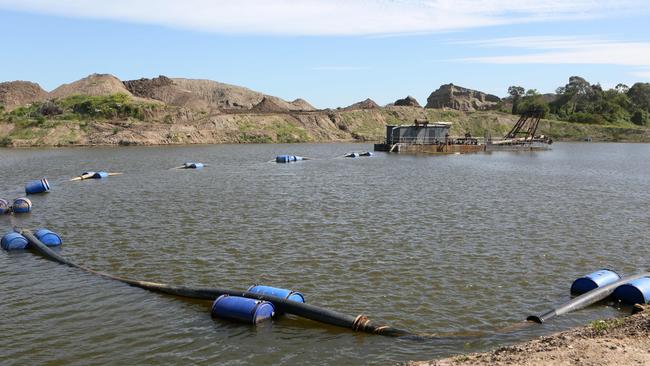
425,137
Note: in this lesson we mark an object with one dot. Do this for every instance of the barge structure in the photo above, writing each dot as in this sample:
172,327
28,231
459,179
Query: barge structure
433,138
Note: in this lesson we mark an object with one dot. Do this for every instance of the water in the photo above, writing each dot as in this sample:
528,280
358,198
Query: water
452,245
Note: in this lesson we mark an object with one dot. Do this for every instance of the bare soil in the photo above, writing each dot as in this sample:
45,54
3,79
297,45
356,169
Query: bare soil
612,342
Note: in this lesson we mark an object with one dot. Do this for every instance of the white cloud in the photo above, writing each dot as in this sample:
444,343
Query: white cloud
339,68
566,50
645,74
328,17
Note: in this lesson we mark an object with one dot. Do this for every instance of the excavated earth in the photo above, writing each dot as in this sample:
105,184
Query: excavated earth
613,342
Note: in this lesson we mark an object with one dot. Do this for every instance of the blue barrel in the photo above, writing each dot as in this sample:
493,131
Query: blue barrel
22,205
95,175
4,207
634,292
242,309
352,155
193,165
277,292
594,280
37,186
47,237
367,153
288,158
13,240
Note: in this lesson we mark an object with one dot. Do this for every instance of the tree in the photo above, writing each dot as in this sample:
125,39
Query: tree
639,94
516,92
533,102
622,88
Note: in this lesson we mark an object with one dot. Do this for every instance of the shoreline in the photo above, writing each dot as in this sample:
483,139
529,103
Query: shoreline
614,341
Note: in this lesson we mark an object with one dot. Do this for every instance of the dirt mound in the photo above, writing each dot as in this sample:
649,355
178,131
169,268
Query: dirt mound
267,105
365,104
16,93
95,84
167,91
409,101
303,105
226,96
463,99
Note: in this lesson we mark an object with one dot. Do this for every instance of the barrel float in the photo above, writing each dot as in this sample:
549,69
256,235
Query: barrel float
13,241
94,175
367,153
594,280
21,205
47,237
37,186
193,165
242,309
288,158
4,207
277,292
634,292
352,155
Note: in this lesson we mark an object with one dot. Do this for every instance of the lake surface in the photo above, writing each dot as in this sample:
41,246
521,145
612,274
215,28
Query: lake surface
453,245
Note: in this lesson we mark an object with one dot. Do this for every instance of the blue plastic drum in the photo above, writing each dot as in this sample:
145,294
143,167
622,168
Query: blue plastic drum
242,309
288,158
13,241
4,207
277,292
352,155
37,186
47,237
594,280
193,165
21,205
634,292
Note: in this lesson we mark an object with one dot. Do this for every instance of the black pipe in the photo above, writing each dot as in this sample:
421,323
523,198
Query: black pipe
359,323
584,300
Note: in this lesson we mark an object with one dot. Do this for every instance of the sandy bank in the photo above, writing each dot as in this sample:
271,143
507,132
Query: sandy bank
618,341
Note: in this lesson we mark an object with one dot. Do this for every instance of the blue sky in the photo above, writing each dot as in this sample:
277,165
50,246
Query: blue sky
330,52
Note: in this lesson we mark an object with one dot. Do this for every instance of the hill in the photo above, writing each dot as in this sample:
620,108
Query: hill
93,85
17,93
463,99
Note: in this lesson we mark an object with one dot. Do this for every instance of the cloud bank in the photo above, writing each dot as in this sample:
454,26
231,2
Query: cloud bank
328,17
566,50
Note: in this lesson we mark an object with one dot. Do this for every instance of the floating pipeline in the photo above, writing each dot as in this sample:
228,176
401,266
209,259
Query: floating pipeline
193,166
357,154
586,299
359,323
288,158
37,186
94,175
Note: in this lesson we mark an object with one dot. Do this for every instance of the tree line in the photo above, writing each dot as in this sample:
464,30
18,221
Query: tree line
580,101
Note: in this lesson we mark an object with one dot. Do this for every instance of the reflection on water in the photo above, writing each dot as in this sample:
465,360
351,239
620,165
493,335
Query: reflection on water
451,245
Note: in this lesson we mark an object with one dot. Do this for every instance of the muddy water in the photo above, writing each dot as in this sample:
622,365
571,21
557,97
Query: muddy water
452,245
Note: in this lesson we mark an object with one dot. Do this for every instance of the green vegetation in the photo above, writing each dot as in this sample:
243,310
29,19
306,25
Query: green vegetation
604,325
581,102
32,122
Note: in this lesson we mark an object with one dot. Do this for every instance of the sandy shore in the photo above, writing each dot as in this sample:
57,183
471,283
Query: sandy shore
618,341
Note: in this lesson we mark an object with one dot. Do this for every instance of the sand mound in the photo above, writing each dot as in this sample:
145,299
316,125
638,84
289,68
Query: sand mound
16,93
366,104
166,90
267,105
303,105
409,101
95,84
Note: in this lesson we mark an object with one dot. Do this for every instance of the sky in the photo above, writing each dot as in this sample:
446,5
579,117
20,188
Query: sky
330,52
